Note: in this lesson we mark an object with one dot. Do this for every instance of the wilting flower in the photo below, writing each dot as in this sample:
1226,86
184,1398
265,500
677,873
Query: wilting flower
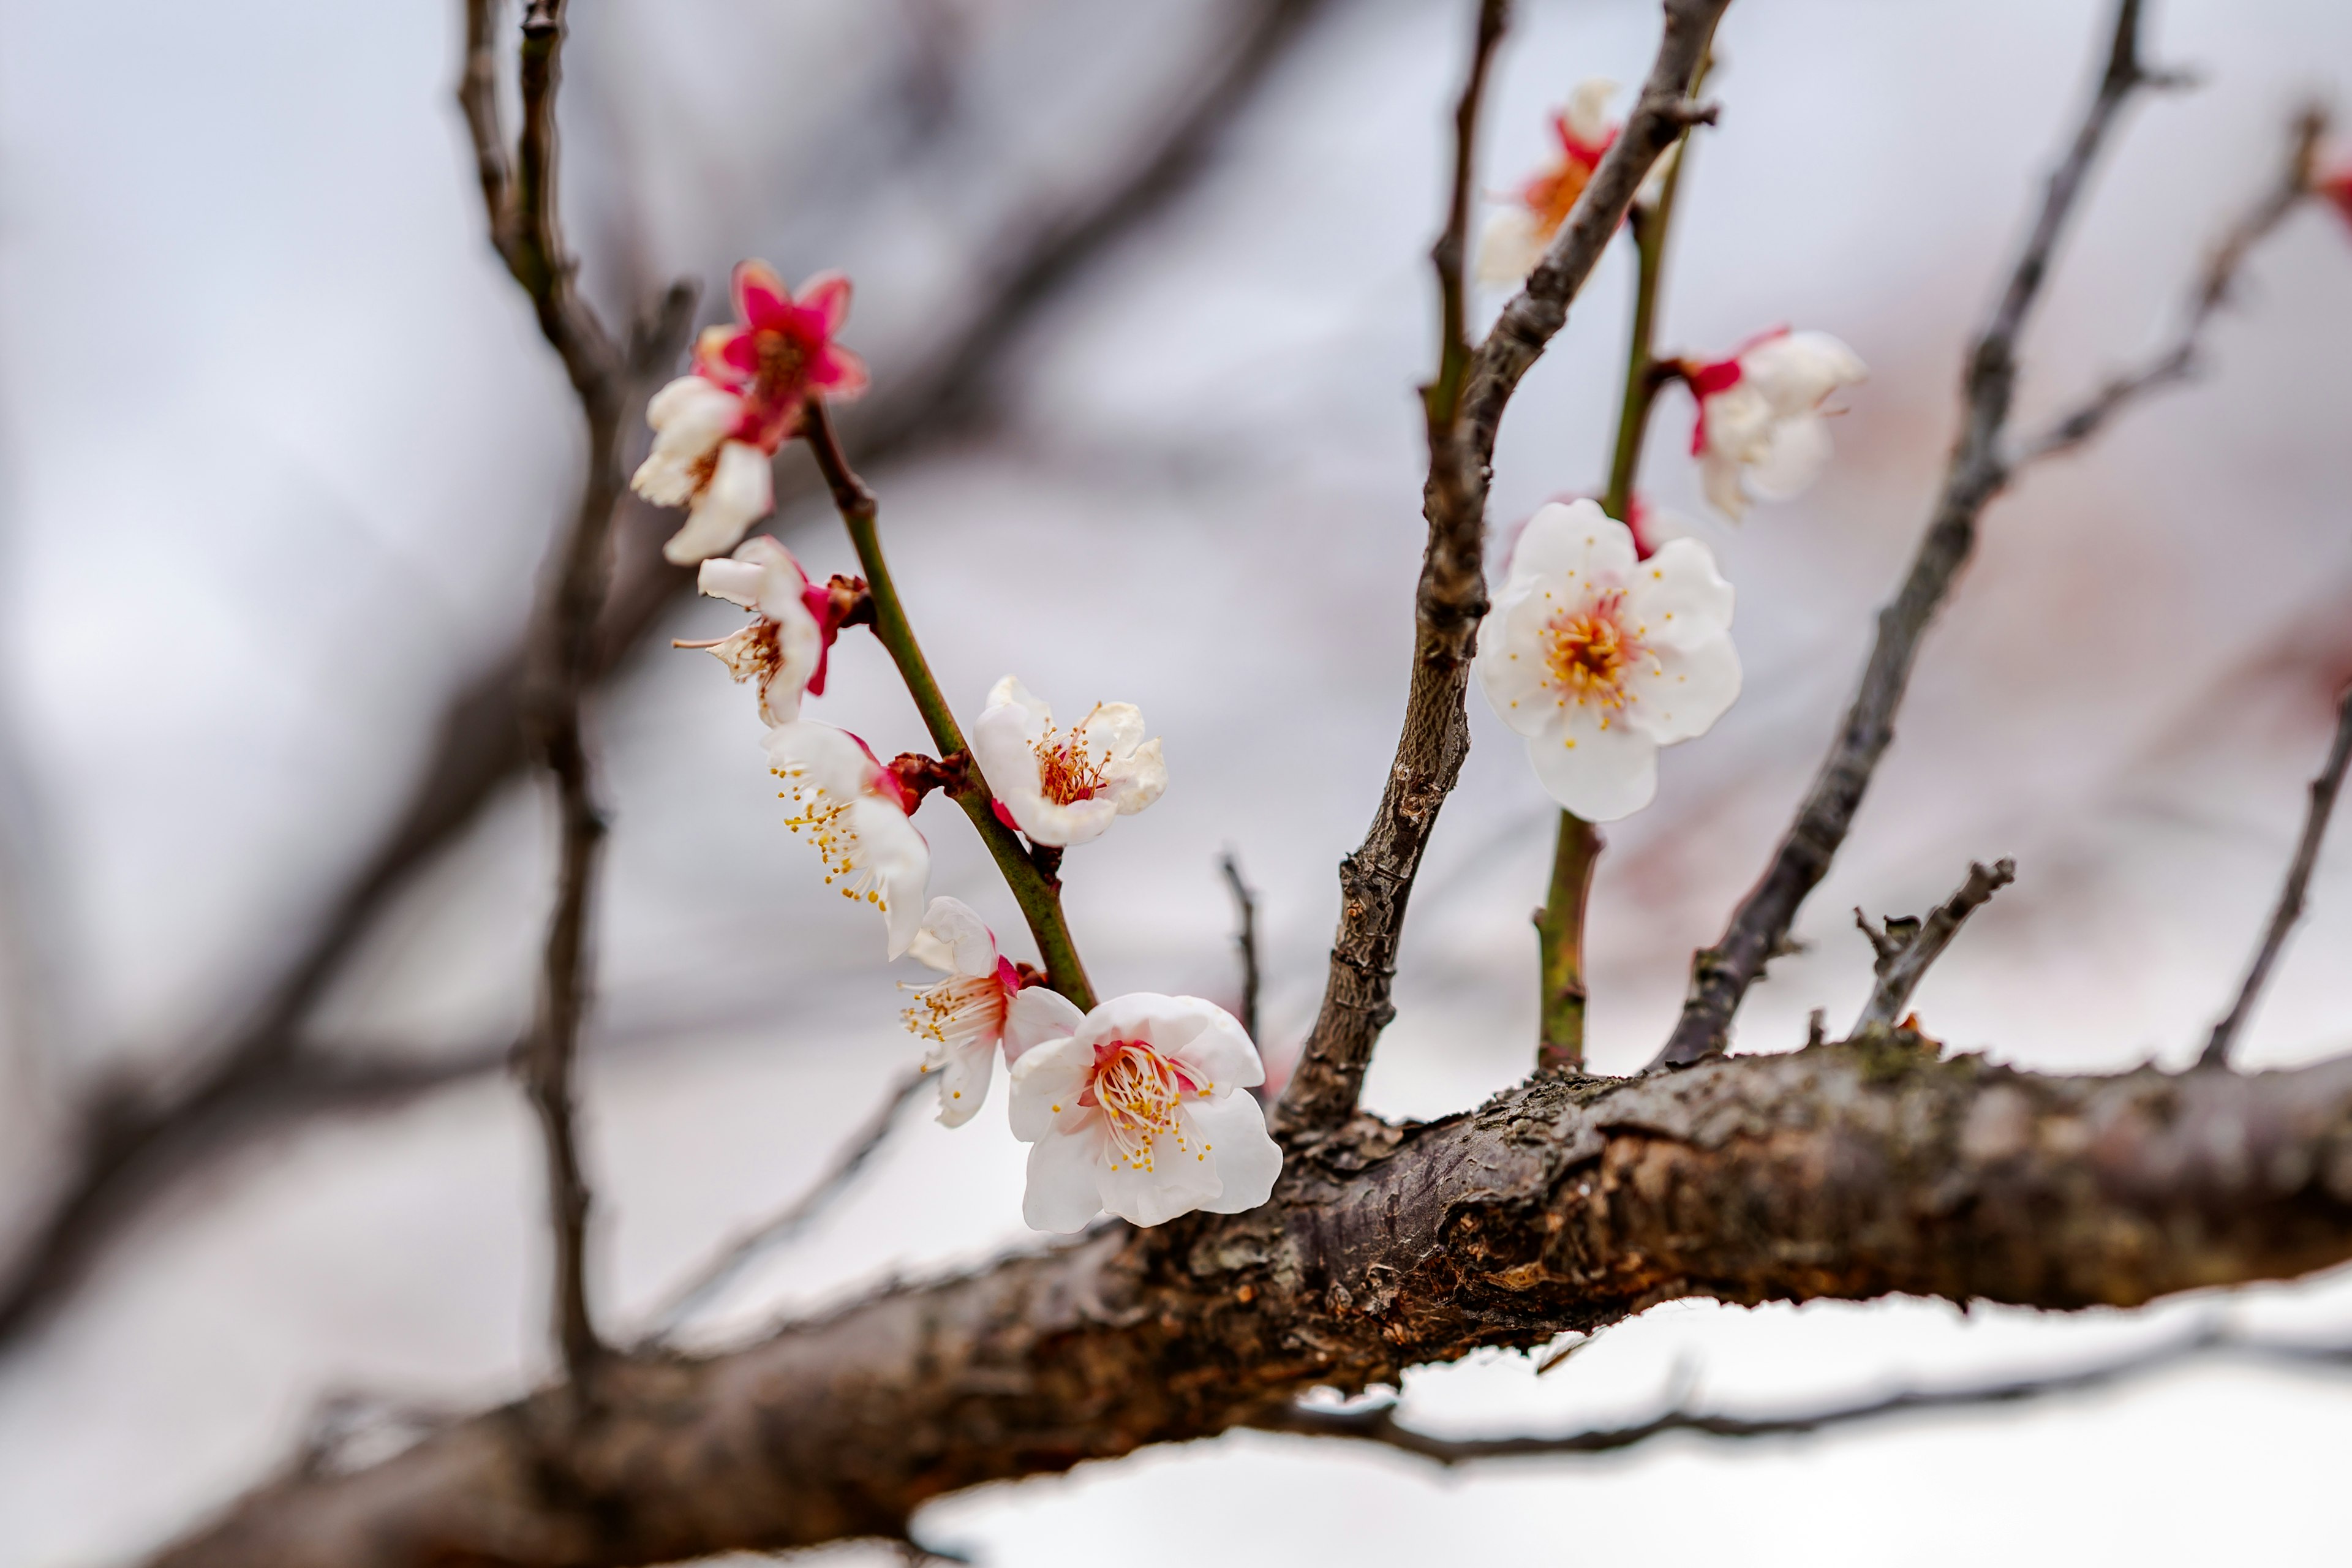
1761,433
1137,1108
979,1005
793,626
855,811
715,430
1060,788
1517,236
1598,658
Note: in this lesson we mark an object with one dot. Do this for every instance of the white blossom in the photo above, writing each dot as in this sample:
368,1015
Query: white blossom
1598,658
981,1005
1761,433
1516,237
853,810
1063,788
783,648
698,463
1140,1108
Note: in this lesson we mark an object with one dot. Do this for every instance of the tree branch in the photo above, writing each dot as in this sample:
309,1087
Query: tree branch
2178,360
2324,791
1245,940
1379,1424
1721,974
702,1287
137,1139
1463,417
1846,1170
1902,960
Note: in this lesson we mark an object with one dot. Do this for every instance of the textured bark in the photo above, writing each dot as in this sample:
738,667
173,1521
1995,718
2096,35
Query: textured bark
1850,1170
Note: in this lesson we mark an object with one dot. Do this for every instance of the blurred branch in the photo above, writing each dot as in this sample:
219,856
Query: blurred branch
2324,791
136,1139
1244,938
705,1284
1905,949
1721,974
1379,1424
2178,360
1463,405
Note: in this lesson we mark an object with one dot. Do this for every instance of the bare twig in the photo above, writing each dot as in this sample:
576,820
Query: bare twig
1721,974
2178,359
136,1139
1463,405
705,1284
1379,1424
1245,940
526,232
2323,790
1906,948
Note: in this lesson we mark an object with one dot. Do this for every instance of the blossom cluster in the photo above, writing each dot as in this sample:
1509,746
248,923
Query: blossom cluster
1139,1106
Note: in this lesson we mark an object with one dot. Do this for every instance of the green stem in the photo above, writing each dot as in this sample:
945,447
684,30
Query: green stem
1040,897
1560,924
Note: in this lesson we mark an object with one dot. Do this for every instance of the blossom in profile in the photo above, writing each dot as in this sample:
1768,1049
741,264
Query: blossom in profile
792,626
1762,433
1599,658
854,810
715,430
1138,1108
1063,787
1516,238
980,1006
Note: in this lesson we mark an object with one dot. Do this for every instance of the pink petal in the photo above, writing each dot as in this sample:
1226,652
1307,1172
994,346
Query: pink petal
726,355
826,294
761,298
838,373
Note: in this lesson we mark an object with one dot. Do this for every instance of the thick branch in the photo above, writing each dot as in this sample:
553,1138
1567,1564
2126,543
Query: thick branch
136,1140
1849,1171
1377,880
1721,974
1379,1424
1902,960
2323,790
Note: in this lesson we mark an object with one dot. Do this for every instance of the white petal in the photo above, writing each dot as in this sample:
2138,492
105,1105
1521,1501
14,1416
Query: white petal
1799,449
1109,730
736,582
1051,822
1579,543
1135,781
955,938
798,644
1599,774
1679,693
1588,109
1009,692
1065,1190
826,757
1038,1013
1513,664
1739,423
1795,372
1677,598
1000,745
1232,1129
1720,478
690,417
1179,1180
963,1078
1046,1082
740,493
1510,248
901,860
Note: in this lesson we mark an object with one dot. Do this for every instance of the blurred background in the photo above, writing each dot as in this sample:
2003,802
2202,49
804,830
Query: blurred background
282,447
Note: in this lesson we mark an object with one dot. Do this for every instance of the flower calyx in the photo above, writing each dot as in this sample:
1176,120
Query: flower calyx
917,775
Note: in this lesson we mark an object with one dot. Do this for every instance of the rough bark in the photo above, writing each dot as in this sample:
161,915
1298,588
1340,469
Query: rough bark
1849,1170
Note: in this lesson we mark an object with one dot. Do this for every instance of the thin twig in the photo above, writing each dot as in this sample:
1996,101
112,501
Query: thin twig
2178,359
1038,894
1379,1424
1377,880
1721,974
1244,938
1904,951
705,1284
2323,790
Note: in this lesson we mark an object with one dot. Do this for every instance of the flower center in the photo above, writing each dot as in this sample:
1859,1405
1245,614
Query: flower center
1065,774
1552,195
833,830
1137,1090
783,362
1587,652
755,653
954,1012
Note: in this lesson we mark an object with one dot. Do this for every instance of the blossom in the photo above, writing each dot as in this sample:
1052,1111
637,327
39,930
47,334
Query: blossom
856,814
1761,431
715,430
1137,1108
793,623
2337,188
979,1005
1063,788
1517,236
1598,658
